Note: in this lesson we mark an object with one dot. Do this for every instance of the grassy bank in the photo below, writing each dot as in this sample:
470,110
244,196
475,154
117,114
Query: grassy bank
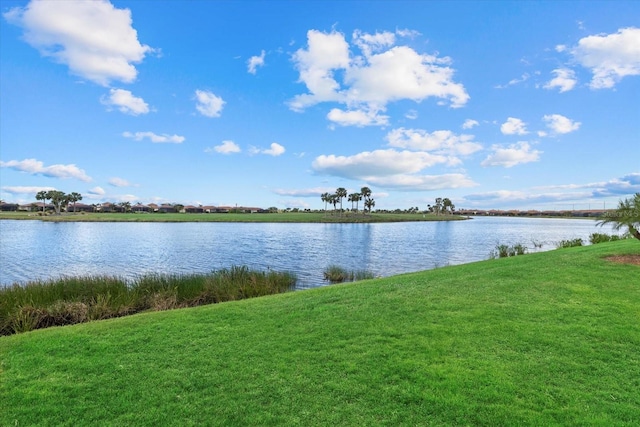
71,300
347,217
544,339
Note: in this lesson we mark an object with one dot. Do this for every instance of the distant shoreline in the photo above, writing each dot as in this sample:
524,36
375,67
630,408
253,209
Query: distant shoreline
285,217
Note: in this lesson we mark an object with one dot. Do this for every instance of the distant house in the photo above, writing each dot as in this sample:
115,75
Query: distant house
153,207
139,207
80,207
166,208
110,207
35,207
194,209
9,207
209,209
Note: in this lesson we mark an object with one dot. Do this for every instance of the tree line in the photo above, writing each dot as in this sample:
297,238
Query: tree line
354,198
58,199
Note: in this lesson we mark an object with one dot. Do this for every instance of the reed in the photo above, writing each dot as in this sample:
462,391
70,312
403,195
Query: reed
70,300
337,274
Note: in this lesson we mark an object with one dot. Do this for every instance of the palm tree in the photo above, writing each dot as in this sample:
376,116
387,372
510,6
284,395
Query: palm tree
126,206
437,208
366,193
340,193
333,199
354,198
73,198
369,203
325,199
626,215
42,195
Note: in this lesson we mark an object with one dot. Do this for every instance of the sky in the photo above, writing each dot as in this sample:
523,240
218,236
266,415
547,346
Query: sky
493,104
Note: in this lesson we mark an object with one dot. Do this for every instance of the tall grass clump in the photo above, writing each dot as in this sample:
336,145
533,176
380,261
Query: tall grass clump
337,274
603,238
569,243
504,251
70,300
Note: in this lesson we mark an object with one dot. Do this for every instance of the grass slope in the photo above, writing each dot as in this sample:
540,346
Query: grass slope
544,339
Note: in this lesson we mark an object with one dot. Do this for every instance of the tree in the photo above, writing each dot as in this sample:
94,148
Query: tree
73,198
178,207
437,208
354,198
369,203
366,194
626,215
58,199
126,206
42,195
340,193
325,199
447,205
333,199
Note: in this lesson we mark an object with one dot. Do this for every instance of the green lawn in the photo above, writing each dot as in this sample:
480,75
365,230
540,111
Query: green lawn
230,217
543,339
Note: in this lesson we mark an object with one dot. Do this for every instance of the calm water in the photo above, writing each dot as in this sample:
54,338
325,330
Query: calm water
33,249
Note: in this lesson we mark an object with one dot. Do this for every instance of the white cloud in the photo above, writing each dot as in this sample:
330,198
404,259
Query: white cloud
423,182
227,147
469,123
254,62
560,124
155,138
358,118
97,191
36,167
440,141
370,164
26,190
119,182
513,126
383,73
125,102
209,105
512,155
274,150
411,114
565,80
93,38
610,57
513,82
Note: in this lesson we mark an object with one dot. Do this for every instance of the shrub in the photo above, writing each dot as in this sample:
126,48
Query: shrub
337,274
602,238
504,251
569,243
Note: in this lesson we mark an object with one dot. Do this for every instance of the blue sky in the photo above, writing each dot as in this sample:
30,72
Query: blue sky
510,105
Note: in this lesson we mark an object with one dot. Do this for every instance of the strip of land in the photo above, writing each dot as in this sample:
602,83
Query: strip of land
299,217
549,338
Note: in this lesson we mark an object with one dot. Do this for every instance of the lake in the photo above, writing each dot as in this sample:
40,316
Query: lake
39,250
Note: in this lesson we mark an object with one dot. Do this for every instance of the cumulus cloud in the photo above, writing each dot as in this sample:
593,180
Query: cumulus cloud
424,182
97,191
125,102
469,123
93,38
155,138
119,182
382,73
441,141
370,164
359,118
564,80
609,57
254,62
36,167
560,124
227,147
274,149
513,126
26,190
514,154
208,104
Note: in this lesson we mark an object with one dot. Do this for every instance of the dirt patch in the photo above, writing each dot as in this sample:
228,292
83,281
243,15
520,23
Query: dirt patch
625,259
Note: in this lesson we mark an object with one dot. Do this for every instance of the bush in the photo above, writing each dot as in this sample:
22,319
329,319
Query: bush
504,251
337,274
603,238
569,243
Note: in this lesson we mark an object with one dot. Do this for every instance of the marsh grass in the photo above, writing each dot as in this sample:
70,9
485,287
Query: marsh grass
337,274
70,300
569,243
